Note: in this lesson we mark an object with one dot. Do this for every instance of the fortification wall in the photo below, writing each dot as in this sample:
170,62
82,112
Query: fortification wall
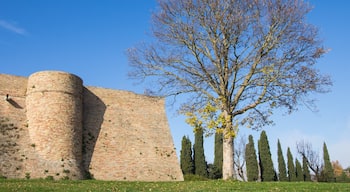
53,126
12,125
134,141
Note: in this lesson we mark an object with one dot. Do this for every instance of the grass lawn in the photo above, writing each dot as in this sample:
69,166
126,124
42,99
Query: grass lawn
93,185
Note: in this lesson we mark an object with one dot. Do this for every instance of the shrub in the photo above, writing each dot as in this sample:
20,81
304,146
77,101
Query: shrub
191,177
49,178
27,175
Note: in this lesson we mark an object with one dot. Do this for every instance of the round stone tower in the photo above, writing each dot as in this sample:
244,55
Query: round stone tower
54,113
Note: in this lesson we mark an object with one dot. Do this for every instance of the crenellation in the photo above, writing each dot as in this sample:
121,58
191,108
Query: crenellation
66,130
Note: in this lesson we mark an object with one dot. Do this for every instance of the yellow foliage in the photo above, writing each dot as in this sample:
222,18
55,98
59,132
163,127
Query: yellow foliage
221,119
267,70
338,169
209,118
206,117
209,108
212,124
230,133
197,129
219,130
192,119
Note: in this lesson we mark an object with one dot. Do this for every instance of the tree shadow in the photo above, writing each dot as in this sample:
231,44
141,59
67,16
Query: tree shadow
94,110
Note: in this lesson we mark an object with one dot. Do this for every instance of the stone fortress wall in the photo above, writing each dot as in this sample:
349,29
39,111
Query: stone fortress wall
53,126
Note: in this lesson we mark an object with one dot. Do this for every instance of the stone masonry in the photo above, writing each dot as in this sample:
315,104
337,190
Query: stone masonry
53,126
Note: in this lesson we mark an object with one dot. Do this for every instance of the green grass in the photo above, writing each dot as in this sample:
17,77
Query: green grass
93,185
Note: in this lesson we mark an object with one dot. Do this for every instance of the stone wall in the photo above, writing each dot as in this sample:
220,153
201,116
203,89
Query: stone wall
53,126
13,124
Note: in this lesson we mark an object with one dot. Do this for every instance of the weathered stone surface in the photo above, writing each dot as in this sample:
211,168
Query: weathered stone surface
54,126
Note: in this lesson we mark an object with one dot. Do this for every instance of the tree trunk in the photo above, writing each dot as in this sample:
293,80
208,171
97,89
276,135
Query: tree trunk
227,165
228,159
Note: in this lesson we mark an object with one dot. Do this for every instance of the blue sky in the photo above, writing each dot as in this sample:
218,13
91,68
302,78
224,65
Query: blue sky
89,38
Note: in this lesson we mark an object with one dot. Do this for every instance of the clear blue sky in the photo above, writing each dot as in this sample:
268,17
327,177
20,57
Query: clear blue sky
89,38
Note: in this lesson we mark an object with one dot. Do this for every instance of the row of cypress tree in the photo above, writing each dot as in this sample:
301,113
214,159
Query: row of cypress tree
261,168
258,168
195,163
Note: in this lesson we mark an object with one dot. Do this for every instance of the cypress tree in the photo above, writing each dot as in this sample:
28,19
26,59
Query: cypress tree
266,165
291,169
251,160
218,154
298,171
306,171
282,175
328,173
186,160
199,157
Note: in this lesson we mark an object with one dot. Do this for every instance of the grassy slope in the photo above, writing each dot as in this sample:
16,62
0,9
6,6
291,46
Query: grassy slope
91,185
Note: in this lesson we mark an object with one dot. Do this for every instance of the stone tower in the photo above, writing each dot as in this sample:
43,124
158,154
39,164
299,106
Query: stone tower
54,114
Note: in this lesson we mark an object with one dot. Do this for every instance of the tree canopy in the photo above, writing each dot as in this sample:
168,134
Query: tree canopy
186,160
244,57
282,174
267,171
218,153
327,172
252,167
291,167
198,155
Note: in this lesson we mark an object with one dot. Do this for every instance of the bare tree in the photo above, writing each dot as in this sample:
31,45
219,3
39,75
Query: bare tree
312,157
245,57
239,156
